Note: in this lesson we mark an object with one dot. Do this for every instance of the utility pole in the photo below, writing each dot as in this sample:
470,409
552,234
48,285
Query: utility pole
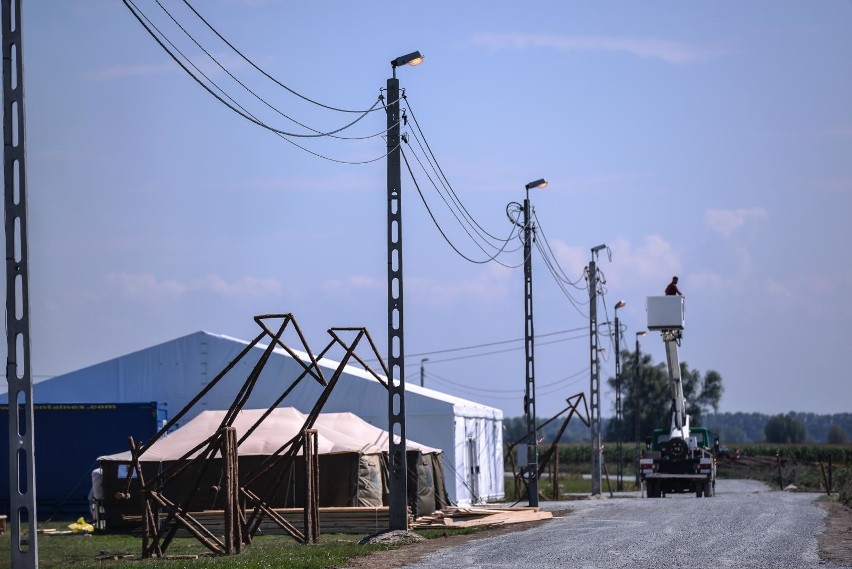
619,414
529,347
636,394
22,487
423,371
595,385
398,501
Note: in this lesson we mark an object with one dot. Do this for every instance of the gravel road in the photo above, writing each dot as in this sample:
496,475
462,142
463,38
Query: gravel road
744,526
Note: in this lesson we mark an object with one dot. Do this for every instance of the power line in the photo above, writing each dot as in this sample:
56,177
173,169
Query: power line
316,134
267,75
497,343
438,225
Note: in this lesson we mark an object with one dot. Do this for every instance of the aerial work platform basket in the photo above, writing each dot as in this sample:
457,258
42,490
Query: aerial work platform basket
665,312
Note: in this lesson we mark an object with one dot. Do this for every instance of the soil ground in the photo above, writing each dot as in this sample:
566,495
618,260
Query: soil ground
834,543
411,553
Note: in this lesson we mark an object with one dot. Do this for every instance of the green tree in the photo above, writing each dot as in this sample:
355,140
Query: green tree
837,435
647,392
784,429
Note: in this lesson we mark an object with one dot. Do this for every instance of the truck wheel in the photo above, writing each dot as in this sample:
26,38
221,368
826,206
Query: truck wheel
653,489
708,490
699,491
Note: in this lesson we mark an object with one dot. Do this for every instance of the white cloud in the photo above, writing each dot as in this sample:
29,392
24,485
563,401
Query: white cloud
654,48
360,282
710,280
653,262
147,285
812,293
208,67
727,222
488,285
838,185
137,70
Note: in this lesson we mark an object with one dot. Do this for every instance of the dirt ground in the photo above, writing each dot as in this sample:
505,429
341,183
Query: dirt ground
835,542
411,553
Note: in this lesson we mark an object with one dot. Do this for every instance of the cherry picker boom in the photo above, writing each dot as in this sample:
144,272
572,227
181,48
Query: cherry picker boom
679,459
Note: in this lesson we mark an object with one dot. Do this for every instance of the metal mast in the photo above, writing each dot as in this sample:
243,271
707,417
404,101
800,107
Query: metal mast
396,356
529,348
619,414
22,491
594,379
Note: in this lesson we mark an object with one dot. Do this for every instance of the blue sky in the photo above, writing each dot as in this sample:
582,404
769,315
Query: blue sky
709,140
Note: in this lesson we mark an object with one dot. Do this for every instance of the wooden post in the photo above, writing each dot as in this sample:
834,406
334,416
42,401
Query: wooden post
233,519
780,480
830,485
825,479
556,475
606,474
311,454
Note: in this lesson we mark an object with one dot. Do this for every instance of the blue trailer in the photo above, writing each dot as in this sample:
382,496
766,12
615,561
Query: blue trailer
69,438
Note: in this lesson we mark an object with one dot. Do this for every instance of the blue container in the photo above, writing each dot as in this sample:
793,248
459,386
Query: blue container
69,438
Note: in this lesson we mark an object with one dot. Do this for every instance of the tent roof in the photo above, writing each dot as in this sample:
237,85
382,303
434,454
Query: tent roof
336,433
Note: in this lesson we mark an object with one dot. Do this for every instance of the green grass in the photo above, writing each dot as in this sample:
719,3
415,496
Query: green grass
265,552
570,484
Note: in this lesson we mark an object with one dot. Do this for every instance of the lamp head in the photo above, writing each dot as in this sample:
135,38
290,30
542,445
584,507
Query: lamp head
642,333
598,248
413,58
620,304
538,184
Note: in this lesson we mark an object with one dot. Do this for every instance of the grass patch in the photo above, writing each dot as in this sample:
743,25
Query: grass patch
568,484
265,552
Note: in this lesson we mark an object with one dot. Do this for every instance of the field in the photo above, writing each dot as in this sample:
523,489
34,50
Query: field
804,466
808,467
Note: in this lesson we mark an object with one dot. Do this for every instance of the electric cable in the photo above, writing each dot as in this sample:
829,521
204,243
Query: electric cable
443,176
142,18
479,355
242,111
264,73
497,343
435,221
555,260
317,133
447,187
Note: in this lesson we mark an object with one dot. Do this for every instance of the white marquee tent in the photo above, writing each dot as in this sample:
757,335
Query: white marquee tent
469,434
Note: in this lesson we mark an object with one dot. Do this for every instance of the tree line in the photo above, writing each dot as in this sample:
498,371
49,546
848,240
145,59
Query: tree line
646,405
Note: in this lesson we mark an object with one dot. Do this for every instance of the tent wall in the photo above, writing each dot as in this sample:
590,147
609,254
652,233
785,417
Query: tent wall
175,371
346,479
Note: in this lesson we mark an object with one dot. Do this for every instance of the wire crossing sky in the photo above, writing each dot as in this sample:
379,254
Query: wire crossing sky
192,165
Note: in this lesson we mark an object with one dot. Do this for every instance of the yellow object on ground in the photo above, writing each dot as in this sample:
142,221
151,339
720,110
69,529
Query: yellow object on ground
81,525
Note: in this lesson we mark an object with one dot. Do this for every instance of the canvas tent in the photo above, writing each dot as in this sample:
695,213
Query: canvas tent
469,434
352,463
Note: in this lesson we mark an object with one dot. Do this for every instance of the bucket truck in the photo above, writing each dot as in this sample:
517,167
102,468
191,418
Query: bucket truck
678,459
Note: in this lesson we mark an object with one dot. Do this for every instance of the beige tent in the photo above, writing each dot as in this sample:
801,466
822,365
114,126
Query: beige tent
352,463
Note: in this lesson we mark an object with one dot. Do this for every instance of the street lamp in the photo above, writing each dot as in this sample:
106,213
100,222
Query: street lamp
413,58
636,398
398,502
529,348
619,415
422,370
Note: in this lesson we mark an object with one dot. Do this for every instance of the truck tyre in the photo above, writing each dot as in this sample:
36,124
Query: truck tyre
708,489
653,489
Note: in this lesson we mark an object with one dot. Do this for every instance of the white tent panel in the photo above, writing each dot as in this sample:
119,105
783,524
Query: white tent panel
469,434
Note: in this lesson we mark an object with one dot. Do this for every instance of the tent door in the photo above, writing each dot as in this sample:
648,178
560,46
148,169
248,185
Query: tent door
473,469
